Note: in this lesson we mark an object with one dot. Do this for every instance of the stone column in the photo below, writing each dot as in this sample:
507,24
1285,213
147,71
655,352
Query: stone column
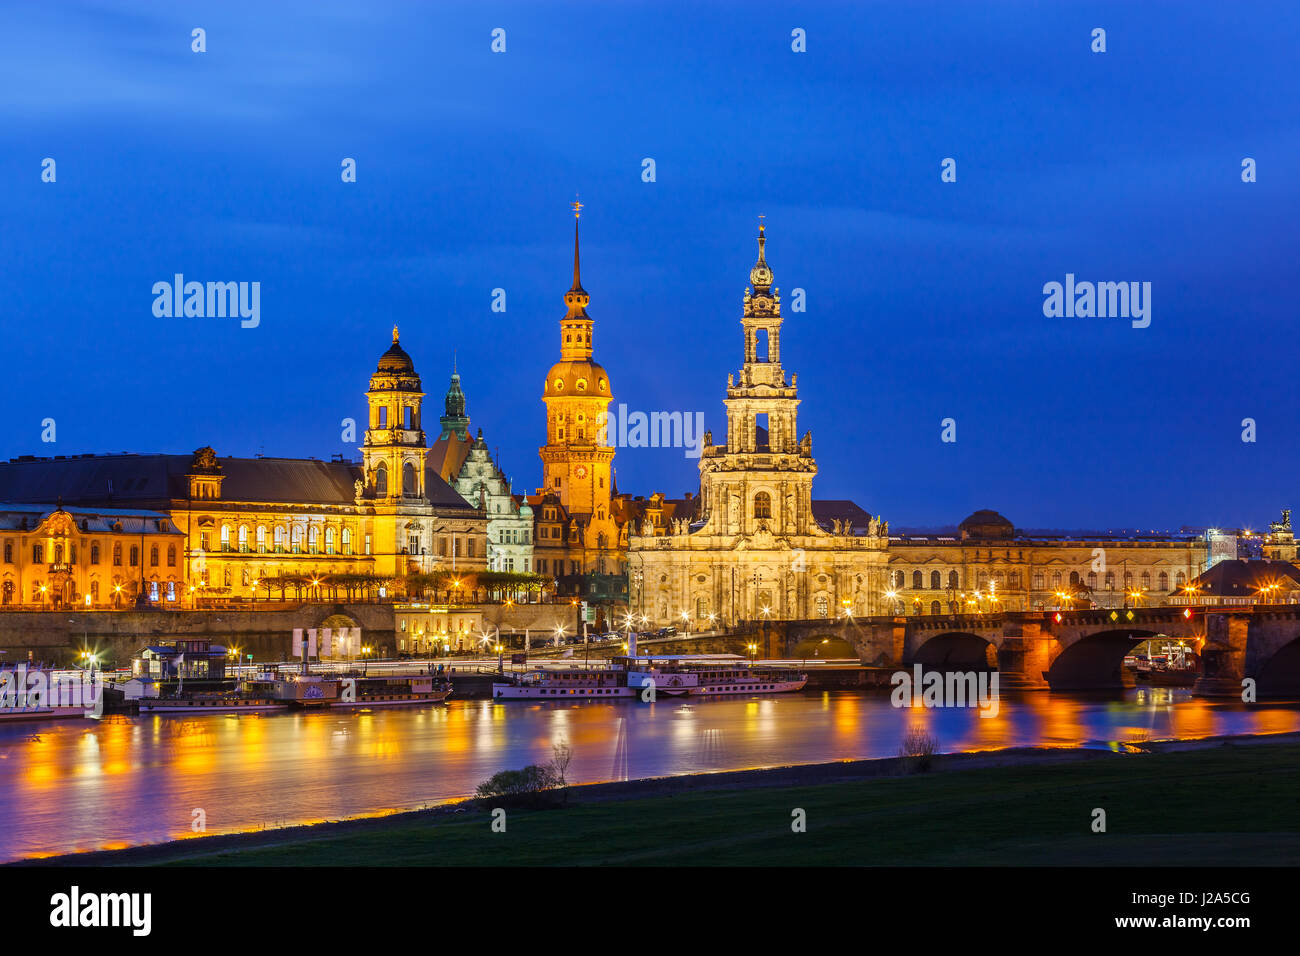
1025,655
1223,658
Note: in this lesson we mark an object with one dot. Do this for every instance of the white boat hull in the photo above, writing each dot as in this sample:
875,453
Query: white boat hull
514,692
757,687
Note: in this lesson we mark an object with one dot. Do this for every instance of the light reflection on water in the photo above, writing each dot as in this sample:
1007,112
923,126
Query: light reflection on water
79,785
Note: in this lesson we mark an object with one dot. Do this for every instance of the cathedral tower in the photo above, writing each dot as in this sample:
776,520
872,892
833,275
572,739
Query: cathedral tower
762,478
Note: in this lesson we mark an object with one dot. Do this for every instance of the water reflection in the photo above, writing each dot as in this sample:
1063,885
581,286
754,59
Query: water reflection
78,785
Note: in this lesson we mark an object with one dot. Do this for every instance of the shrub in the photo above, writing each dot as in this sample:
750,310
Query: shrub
917,751
527,787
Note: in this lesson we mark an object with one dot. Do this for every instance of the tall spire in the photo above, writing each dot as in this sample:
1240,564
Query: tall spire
577,272
577,298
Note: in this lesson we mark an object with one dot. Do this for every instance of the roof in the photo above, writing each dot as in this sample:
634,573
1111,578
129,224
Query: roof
108,480
1244,578
824,512
447,455
28,517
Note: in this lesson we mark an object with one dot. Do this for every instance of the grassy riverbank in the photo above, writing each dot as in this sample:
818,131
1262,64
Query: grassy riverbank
1226,803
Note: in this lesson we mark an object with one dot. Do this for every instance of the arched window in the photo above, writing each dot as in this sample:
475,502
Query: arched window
982,581
261,539
347,540
94,552
279,539
1092,580
313,539
1038,582
1179,579
171,555
1146,580
410,487
1074,577
1013,580
1056,580
763,506
953,580
117,554
153,556
935,580
329,540
1110,581
381,480
94,592
297,539
225,537
935,608
243,538
918,580
1164,580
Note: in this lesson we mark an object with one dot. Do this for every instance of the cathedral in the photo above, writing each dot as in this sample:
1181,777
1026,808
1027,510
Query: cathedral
757,548
757,545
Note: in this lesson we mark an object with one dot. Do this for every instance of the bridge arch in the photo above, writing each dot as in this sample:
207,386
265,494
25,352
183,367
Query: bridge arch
956,649
1095,661
1278,675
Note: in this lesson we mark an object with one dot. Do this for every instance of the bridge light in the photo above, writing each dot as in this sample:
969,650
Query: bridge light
1187,612
1058,617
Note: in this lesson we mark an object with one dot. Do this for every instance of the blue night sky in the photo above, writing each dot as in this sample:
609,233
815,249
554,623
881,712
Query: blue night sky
924,299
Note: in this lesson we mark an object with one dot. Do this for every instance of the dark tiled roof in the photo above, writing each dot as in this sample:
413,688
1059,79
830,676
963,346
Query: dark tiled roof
115,480
1241,578
26,517
826,511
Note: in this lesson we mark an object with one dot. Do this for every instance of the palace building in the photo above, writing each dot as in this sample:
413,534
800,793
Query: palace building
172,528
757,545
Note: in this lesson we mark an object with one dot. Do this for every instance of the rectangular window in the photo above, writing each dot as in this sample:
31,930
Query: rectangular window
442,547
9,552
455,546
367,544
38,554
470,547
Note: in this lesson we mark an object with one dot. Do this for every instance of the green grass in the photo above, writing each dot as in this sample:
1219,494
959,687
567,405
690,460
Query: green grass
1223,806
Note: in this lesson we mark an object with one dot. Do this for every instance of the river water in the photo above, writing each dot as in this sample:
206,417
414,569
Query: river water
71,785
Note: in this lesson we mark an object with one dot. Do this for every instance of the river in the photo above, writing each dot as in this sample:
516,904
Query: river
72,785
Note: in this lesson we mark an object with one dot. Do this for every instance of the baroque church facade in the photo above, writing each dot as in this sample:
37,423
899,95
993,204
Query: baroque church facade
758,545
757,548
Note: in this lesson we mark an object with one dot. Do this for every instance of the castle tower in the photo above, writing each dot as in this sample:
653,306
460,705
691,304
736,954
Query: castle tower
394,450
576,460
454,421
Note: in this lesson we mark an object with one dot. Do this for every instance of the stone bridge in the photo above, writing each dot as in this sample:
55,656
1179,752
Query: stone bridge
1066,650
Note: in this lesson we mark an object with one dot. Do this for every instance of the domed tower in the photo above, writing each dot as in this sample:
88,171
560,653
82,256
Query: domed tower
394,450
577,458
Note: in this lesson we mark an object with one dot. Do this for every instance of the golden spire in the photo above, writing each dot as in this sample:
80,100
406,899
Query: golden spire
394,335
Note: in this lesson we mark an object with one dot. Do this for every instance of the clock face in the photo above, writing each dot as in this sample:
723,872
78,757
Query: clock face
580,471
